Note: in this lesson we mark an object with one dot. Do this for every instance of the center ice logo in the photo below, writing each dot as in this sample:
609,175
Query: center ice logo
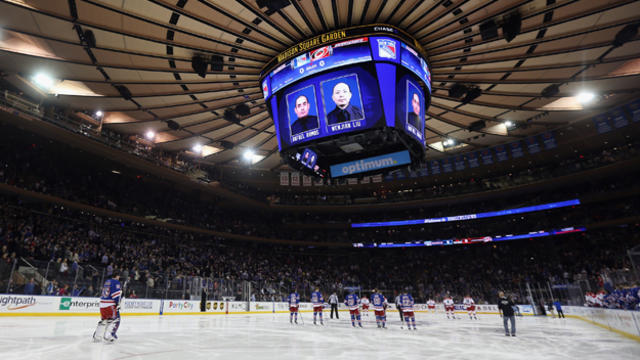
65,303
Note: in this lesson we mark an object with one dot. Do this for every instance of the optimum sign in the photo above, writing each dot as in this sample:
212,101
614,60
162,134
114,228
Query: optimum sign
371,164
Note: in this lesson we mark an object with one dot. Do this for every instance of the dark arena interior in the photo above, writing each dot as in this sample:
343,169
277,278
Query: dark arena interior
319,179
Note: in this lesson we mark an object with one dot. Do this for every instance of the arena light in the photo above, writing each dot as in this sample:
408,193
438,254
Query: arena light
99,113
248,155
43,80
586,97
150,135
197,148
508,124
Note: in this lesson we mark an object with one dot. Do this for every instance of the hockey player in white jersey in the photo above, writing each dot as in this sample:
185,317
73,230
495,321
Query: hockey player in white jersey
431,305
364,302
470,306
449,307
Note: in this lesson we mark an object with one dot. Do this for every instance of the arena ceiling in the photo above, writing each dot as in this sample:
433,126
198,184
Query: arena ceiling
147,47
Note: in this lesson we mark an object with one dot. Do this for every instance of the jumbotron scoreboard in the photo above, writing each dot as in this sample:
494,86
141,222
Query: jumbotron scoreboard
350,102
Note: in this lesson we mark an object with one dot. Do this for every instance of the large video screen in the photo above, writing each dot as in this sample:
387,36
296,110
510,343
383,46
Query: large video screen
331,103
410,106
327,57
412,61
347,86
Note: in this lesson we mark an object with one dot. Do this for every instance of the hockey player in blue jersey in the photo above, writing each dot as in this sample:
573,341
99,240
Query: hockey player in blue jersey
318,303
380,308
294,302
109,310
353,303
406,304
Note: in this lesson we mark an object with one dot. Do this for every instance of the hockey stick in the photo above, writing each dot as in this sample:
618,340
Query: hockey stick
122,297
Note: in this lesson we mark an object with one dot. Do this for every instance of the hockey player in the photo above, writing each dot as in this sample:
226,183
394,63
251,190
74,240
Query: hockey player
365,306
109,310
600,298
294,302
379,307
431,305
449,307
406,303
470,305
318,302
353,303
590,299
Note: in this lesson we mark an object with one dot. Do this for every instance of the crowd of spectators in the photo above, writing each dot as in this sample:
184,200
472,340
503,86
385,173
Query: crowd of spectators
73,251
465,185
87,124
29,162
161,262
557,166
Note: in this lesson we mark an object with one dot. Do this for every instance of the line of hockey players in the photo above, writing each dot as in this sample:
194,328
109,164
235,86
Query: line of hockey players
404,304
112,296
628,299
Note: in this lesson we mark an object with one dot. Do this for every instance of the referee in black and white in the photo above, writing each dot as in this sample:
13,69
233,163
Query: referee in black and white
333,301
505,307
399,307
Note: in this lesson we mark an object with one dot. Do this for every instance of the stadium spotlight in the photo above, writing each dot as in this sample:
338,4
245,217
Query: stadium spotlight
199,65
99,113
150,135
625,35
508,123
457,90
472,94
197,148
43,80
586,97
248,155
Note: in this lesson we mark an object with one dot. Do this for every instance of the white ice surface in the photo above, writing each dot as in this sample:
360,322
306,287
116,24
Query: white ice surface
270,336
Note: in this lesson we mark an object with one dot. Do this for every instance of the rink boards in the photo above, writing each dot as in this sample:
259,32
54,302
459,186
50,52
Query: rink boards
35,305
624,322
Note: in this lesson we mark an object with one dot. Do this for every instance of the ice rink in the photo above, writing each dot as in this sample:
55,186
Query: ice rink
270,336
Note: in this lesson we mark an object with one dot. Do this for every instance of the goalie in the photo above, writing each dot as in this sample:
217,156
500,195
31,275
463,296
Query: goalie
110,300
